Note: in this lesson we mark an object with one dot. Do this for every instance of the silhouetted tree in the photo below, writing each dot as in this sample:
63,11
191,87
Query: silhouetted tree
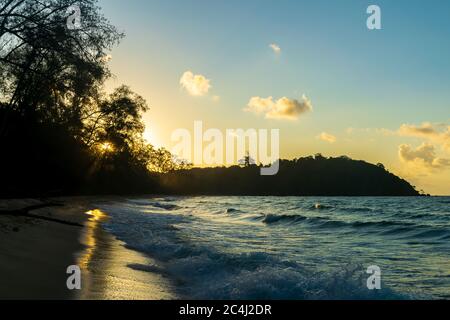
51,73
307,176
59,131
380,165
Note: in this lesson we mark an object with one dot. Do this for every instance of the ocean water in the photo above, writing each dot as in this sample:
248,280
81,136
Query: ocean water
291,247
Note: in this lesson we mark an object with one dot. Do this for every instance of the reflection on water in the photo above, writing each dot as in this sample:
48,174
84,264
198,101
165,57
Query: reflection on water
96,215
88,238
104,265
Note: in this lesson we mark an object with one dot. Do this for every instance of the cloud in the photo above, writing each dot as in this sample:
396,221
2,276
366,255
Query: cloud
380,131
438,134
327,137
216,98
195,85
276,48
425,130
428,131
424,155
352,130
282,109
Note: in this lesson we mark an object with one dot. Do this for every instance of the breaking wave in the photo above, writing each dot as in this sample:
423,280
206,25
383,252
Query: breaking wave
212,250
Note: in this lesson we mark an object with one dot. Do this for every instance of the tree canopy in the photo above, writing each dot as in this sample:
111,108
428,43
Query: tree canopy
59,130
309,176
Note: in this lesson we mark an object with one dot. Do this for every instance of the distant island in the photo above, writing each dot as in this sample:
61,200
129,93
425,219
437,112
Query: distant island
309,176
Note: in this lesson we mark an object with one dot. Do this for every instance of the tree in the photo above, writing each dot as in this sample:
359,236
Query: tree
58,129
48,71
319,156
116,119
309,176
247,161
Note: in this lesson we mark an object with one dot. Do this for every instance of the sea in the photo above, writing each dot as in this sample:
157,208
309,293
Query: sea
295,248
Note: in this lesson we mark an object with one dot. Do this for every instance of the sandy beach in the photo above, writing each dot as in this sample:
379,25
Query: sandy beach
35,254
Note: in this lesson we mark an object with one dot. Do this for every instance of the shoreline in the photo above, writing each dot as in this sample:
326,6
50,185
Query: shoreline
35,254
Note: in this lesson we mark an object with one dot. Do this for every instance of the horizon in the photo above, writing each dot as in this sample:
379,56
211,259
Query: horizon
376,95
236,151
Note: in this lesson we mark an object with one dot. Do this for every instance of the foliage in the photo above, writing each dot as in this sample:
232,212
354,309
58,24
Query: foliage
59,131
309,176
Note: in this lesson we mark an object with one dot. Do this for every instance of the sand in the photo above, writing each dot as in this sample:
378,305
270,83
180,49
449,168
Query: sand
35,254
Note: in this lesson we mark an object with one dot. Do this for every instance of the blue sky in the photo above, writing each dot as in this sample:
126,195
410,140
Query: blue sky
354,77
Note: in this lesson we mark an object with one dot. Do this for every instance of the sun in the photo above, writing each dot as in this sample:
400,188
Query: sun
107,147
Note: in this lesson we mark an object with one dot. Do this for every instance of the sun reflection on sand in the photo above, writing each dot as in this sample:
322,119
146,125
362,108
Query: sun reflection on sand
88,238
96,215
105,272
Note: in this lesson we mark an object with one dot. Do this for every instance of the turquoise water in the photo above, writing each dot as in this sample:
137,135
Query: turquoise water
291,247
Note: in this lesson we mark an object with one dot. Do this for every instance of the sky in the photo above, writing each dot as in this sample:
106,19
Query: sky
312,69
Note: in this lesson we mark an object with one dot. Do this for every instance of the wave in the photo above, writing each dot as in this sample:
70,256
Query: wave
204,272
396,231
436,233
234,248
327,222
384,227
139,202
157,203
272,218
358,209
296,218
447,237
232,210
381,224
319,206
166,206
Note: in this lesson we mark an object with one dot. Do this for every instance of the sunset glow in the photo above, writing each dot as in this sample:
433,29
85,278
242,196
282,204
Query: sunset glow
352,108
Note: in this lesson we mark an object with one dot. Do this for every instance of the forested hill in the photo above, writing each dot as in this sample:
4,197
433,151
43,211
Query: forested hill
311,176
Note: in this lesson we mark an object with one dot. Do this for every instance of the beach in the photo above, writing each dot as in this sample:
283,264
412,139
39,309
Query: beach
226,248
35,254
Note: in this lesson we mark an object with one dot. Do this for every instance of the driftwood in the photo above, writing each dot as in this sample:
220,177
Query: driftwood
25,212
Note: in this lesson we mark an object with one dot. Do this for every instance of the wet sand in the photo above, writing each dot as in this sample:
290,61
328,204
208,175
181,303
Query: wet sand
35,254
113,272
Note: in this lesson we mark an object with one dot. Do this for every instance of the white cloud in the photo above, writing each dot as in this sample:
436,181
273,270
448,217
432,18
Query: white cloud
424,155
386,132
195,84
282,109
327,137
276,48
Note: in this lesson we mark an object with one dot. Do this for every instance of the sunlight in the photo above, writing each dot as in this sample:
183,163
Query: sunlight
89,239
152,138
107,147
95,215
